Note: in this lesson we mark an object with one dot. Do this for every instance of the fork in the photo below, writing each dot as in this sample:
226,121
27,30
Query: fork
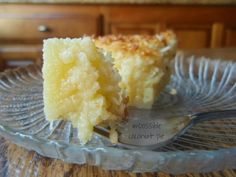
138,133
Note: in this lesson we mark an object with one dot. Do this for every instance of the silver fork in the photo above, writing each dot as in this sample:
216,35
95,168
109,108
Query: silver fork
155,133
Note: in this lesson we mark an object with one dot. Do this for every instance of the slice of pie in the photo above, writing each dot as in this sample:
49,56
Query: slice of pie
80,85
143,62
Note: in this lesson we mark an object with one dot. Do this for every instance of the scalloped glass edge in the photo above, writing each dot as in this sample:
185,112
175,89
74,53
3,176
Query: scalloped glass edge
137,161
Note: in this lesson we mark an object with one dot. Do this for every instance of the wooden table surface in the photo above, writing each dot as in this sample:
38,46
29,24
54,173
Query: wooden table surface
19,162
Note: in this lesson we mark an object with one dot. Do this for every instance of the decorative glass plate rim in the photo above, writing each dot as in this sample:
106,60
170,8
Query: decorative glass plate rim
97,155
130,155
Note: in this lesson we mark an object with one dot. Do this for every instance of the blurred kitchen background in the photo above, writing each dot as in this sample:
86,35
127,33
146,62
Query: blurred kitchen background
198,24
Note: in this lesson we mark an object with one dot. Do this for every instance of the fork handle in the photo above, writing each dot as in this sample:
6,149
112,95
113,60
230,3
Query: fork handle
224,114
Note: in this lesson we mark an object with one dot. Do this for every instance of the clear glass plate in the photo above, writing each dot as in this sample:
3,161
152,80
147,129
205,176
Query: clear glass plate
201,84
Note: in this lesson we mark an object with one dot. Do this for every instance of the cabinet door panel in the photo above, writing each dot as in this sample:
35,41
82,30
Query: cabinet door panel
192,39
135,28
192,36
189,36
230,37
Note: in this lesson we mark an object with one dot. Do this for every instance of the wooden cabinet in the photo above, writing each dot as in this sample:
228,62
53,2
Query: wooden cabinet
33,29
195,26
22,31
23,27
